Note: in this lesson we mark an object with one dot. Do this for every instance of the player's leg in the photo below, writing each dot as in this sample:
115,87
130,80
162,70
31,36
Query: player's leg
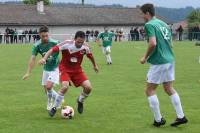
104,52
44,80
154,104
108,51
50,79
80,79
51,94
59,98
44,83
153,80
53,79
87,88
61,93
48,88
169,77
65,78
175,99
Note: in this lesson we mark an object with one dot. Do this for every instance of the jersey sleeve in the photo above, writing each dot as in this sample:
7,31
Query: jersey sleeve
56,42
34,50
61,46
150,30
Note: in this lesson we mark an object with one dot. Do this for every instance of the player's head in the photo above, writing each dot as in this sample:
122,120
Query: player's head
148,11
44,33
105,29
79,39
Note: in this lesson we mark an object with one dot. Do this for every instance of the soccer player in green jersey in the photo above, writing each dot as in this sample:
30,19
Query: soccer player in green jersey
106,38
161,57
50,71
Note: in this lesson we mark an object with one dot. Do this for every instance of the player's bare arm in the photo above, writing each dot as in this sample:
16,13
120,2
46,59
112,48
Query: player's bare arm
98,42
30,67
152,45
91,58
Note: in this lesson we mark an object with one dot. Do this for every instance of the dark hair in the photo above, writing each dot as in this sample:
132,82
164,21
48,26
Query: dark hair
80,34
148,8
43,29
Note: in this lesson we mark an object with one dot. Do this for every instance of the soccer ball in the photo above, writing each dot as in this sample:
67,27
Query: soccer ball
67,112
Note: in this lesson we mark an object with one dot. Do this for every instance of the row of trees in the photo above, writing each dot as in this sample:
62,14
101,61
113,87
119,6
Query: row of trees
194,18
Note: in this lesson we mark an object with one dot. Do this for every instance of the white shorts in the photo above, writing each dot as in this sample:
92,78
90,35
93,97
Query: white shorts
52,76
159,74
106,49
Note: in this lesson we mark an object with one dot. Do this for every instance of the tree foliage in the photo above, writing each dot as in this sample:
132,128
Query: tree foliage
194,18
34,2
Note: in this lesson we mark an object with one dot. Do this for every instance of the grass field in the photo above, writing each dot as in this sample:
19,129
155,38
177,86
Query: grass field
117,104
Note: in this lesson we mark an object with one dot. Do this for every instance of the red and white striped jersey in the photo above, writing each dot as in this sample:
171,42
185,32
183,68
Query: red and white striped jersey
71,55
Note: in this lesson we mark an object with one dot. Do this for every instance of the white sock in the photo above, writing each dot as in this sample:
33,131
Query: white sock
109,58
177,105
58,100
154,104
54,94
82,96
49,95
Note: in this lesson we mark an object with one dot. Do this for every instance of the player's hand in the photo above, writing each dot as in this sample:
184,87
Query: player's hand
42,61
25,76
143,60
96,69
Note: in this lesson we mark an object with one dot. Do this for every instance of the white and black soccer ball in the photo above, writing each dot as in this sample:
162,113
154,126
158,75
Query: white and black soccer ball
67,112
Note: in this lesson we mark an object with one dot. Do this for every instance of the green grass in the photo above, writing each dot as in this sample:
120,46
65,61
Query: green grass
117,104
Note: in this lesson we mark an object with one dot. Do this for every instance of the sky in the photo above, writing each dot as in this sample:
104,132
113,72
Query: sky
133,3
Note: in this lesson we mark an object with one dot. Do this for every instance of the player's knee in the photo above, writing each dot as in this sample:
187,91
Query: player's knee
49,86
146,91
107,52
169,91
149,92
63,90
88,89
65,86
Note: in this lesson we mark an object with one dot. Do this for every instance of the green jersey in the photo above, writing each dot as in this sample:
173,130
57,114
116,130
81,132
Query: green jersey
41,48
106,38
162,53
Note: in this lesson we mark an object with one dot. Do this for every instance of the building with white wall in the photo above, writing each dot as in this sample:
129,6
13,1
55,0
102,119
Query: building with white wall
68,20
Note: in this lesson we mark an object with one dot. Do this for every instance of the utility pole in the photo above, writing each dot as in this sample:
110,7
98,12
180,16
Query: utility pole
83,2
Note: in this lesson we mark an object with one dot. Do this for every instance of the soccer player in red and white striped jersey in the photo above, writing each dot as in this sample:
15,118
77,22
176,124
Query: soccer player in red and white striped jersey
70,68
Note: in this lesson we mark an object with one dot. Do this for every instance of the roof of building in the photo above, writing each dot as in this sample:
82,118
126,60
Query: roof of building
66,16
184,24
